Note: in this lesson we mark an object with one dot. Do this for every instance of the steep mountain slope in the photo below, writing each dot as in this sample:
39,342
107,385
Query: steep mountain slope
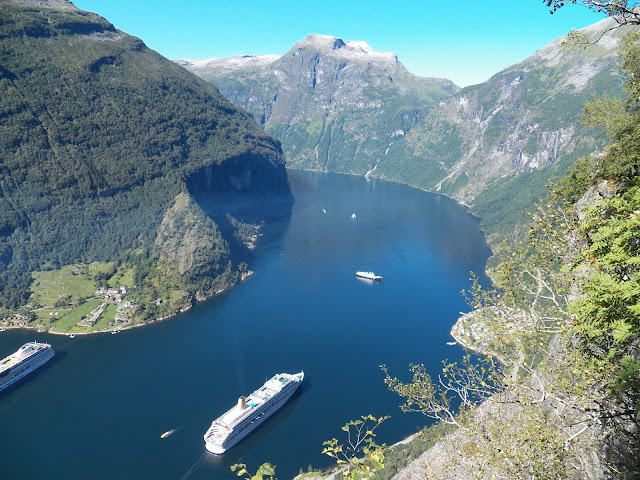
335,105
524,126
493,145
104,144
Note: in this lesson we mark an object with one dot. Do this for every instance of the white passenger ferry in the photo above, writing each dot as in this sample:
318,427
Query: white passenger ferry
29,357
243,418
369,275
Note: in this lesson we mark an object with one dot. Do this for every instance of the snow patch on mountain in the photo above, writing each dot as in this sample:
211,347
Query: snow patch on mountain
230,63
349,50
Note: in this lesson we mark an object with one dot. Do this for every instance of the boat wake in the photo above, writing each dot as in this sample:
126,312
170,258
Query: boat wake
195,466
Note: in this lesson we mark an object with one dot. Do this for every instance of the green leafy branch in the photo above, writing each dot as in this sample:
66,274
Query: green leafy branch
265,471
360,440
466,383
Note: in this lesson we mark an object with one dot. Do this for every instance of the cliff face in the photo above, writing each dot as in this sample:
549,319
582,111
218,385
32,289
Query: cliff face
98,137
251,188
529,115
192,250
459,456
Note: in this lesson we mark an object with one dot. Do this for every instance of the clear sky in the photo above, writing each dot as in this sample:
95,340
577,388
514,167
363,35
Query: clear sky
466,41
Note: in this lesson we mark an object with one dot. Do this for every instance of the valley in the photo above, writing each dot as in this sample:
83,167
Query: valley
135,189
342,107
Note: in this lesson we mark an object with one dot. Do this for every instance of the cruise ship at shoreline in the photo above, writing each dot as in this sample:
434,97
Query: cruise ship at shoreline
249,412
29,357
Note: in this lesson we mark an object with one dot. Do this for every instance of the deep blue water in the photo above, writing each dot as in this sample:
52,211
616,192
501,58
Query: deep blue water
98,409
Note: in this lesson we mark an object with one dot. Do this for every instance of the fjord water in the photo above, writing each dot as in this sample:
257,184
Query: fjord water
98,409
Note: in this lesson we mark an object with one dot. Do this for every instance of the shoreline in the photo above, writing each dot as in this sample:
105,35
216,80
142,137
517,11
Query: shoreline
246,275
119,329
368,177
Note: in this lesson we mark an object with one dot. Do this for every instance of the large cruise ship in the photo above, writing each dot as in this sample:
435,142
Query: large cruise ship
29,357
243,418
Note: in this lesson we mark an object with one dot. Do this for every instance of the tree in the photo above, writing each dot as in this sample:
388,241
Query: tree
622,11
459,387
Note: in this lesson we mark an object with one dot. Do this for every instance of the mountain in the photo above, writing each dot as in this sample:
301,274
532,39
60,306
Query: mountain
341,107
524,127
111,153
335,105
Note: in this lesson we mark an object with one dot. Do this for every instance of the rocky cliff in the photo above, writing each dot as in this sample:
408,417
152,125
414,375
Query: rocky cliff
524,125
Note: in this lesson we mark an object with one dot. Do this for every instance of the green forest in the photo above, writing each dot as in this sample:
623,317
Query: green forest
99,135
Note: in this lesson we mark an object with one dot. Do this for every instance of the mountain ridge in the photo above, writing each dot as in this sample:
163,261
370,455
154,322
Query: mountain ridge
477,145
325,44
326,107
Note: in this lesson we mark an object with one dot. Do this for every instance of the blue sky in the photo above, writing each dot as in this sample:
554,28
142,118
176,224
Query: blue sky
466,41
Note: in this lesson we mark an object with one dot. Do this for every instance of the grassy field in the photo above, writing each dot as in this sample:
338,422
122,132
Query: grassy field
71,285
50,286
61,298
49,316
66,323
122,277
176,295
107,316
103,267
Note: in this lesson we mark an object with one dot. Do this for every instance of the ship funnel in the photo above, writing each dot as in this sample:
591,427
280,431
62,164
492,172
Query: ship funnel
241,404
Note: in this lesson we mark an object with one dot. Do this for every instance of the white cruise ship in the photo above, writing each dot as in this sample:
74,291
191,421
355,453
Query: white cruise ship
243,418
29,357
369,275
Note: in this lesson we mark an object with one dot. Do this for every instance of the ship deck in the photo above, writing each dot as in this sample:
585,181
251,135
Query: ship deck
252,407
26,351
271,388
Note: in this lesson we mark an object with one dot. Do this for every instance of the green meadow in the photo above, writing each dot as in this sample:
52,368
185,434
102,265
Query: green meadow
66,323
63,297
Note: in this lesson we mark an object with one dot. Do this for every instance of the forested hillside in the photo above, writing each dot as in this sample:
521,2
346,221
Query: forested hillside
100,139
